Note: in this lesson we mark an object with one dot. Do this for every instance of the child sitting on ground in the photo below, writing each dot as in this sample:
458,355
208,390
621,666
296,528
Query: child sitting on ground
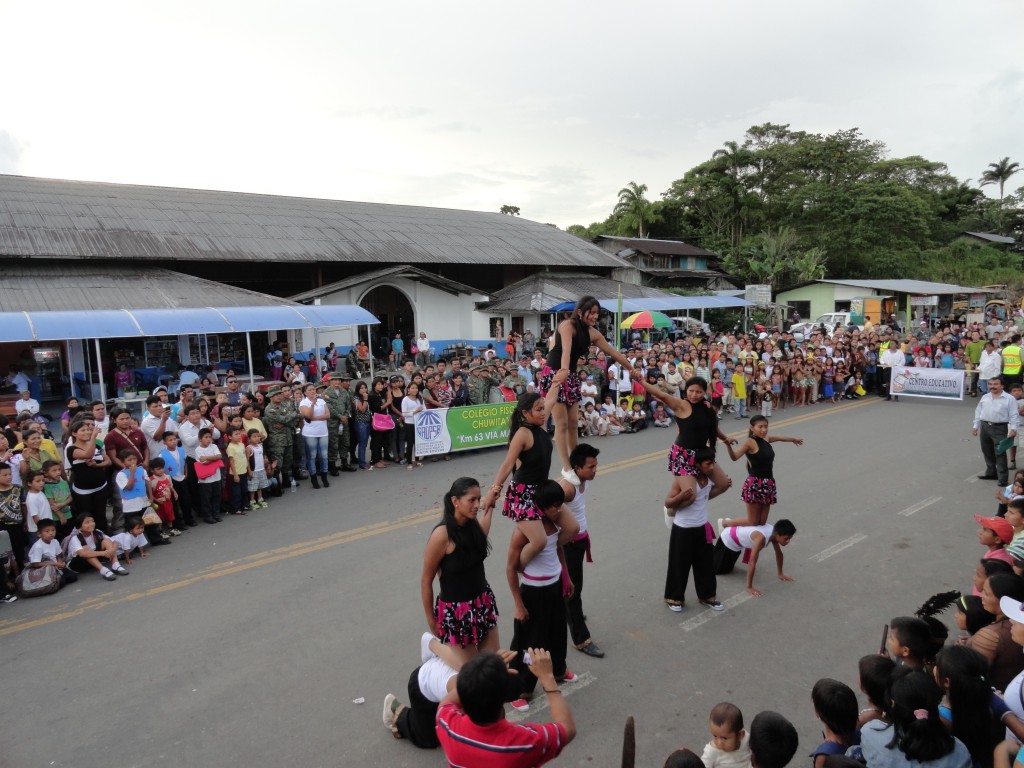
47,551
636,418
132,538
87,547
729,746
661,417
835,705
622,414
58,494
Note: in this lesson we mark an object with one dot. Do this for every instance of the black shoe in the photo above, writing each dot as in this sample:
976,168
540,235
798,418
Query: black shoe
348,468
192,524
333,472
209,520
986,477
313,482
323,479
591,649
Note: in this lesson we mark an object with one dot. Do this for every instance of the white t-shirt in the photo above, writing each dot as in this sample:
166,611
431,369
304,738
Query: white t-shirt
745,534
36,504
210,450
126,542
44,552
422,344
314,428
410,408
696,514
74,545
433,678
588,392
149,426
30,405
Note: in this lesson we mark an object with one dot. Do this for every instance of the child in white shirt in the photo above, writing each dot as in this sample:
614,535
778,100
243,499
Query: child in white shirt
730,745
133,537
36,505
47,551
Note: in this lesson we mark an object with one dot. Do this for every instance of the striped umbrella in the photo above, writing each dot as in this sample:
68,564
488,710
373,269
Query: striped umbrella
647,320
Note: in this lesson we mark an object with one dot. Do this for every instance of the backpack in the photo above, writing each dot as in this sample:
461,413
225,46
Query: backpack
36,582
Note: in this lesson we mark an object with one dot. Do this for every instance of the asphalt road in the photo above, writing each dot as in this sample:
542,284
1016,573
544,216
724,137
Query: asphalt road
249,641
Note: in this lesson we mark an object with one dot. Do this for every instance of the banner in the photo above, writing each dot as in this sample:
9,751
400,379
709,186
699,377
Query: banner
941,383
443,430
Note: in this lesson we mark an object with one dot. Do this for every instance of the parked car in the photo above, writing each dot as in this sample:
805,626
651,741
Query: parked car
830,321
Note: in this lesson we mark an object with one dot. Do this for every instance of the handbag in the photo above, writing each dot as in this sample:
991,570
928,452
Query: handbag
209,469
382,422
149,517
36,582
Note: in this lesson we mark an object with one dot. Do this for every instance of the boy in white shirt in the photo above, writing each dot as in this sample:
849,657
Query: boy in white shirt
47,551
36,505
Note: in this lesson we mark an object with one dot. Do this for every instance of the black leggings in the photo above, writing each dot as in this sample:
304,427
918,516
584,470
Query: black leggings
410,441
416,722
93,504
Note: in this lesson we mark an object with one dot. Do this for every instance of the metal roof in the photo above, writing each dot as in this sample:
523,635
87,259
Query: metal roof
404,270
916,287
992,238
33,286
646,245
50,218
537,293
128,323
663,304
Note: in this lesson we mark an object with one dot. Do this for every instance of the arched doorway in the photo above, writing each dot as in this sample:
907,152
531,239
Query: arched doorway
394,310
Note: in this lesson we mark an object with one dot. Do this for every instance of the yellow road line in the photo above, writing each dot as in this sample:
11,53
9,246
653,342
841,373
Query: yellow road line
279,554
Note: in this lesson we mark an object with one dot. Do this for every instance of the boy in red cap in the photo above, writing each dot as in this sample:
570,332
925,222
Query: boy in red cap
995,534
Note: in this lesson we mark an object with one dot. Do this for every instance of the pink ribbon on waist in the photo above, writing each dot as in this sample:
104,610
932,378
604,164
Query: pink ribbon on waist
581,537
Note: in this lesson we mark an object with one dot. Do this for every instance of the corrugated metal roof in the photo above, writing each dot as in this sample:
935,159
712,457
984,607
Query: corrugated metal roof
917,287
403,270
48,218
539,292
30,287
992,238
668,247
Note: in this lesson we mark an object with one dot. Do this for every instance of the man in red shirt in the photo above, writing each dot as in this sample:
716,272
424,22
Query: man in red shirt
471,724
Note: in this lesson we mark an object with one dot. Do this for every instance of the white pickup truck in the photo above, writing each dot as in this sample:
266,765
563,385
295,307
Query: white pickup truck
830,321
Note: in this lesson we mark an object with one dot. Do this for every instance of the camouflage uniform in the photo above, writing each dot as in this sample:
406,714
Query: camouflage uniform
477,386
339,406
298,459
278,420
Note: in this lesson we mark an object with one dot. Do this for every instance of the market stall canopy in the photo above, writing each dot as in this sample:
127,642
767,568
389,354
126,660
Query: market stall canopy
126,323
663,304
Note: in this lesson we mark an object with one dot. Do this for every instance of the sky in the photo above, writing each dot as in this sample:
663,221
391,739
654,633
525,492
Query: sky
549,106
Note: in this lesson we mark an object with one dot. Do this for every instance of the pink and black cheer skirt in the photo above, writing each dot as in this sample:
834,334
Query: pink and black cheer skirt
682,461
467,622
759,490
570,390
519,503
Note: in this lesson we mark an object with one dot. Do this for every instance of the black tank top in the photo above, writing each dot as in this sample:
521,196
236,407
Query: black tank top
535,463
580,346
699,429
762,463
462,576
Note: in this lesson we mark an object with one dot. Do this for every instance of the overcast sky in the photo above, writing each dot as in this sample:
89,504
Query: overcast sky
551,106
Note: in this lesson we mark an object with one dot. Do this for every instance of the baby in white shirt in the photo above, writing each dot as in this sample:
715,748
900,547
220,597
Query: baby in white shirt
729,746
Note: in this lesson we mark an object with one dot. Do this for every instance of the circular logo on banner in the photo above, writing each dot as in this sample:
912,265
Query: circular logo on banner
428,426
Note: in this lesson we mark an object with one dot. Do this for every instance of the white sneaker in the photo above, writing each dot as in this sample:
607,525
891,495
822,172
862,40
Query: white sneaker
425,653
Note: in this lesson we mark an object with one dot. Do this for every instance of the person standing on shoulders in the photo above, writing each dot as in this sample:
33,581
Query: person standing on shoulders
995,419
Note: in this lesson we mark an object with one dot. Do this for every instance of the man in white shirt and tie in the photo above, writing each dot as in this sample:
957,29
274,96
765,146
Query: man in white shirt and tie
995,419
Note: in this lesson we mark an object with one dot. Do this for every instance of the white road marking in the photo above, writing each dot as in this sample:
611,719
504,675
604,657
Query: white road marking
920,505
838,547
707,615
539,703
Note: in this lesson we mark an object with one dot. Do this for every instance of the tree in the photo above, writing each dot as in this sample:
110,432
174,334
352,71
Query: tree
509,210
635,209
999,173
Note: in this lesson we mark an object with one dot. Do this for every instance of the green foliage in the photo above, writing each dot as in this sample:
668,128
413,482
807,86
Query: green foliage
968,262
509,210
782,206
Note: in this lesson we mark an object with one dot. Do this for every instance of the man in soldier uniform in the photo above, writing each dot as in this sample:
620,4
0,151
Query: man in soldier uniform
593,369
278,420
339,406
298,461
475,385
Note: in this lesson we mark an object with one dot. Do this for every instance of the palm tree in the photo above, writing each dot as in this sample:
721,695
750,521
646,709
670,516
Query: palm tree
634,208
999,173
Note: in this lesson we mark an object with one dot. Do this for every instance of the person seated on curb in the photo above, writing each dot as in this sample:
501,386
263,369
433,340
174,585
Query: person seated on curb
47,551
471,724
87,547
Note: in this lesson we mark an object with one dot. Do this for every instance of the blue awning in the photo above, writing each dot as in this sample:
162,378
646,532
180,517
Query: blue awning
127,323
663,303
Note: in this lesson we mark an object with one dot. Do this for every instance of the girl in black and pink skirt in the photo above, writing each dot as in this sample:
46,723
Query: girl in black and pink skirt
759,490
529,453
465,615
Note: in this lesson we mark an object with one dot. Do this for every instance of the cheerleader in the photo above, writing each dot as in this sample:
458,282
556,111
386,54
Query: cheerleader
759,490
